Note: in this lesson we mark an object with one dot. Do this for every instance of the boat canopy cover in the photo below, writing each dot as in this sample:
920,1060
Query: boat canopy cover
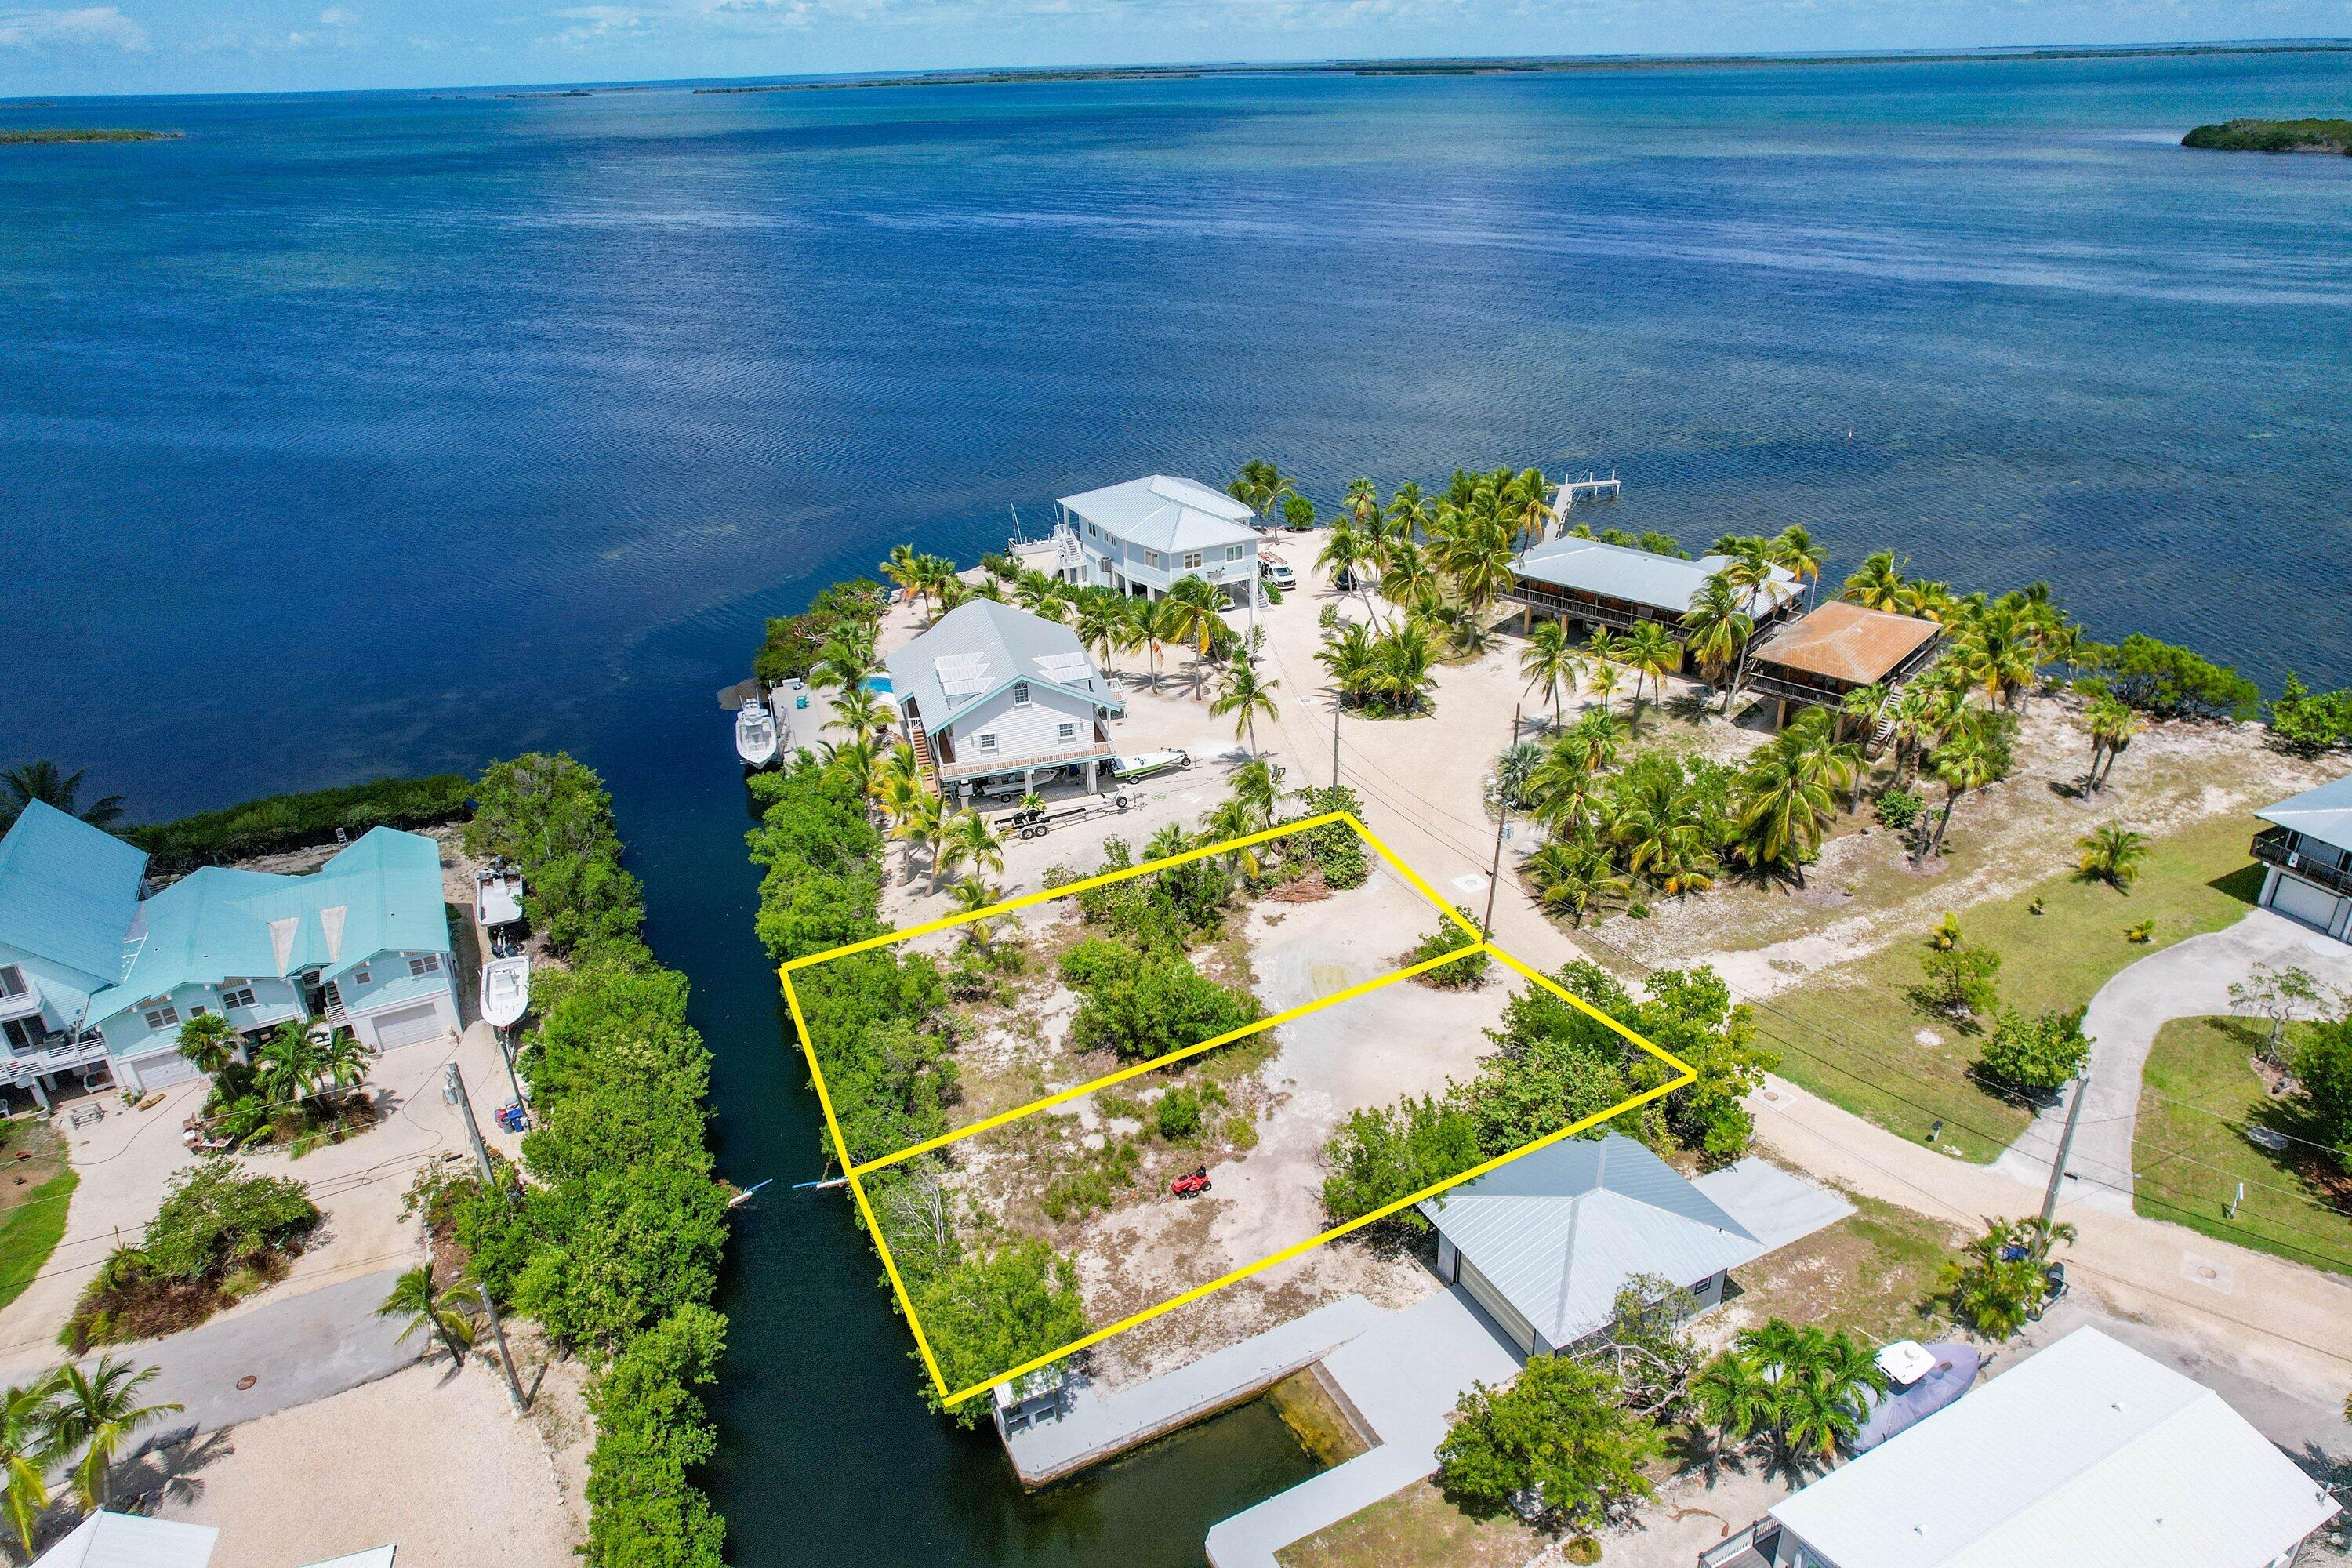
1903,1407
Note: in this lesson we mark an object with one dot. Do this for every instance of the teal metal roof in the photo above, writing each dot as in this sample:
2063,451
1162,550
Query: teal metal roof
68,891
382,894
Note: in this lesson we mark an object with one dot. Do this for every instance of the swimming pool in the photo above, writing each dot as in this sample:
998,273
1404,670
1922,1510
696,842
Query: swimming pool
880,683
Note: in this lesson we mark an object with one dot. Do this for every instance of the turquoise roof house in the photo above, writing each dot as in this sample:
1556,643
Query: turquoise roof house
93,970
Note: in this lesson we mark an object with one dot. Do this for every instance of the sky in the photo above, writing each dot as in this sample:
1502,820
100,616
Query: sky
248,45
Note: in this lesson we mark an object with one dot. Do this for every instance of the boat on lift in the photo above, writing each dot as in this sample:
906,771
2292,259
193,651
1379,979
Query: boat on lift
506,990
755,734
497,894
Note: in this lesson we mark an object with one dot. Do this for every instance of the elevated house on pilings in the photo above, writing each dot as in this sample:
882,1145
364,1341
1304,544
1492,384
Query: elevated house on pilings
2306,852
1836,648
1585,583
996,700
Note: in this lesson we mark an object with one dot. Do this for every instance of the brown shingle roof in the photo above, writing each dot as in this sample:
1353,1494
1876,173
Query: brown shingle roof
1847,643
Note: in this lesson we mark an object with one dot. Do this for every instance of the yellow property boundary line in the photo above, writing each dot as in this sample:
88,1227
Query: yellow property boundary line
854,1173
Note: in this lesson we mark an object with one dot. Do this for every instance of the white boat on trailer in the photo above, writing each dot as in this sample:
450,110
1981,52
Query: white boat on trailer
755,734
497,894
506,990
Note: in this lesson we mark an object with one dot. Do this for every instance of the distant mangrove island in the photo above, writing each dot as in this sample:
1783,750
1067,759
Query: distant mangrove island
78,133
2274,136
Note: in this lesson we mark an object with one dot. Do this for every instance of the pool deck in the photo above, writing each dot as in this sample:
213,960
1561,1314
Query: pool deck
1099,1426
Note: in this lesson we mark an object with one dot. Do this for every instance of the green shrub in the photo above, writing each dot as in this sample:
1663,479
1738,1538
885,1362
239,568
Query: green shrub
794,642
2170,681
215,1217
281,821
551,816
2322,1066
2312,721
1958,980
1095,1186
1178,1115
1560,1429
2035,1055
1447,937
1156,1005
644,1509
1337,852
1379,1156
995,1310
1899,809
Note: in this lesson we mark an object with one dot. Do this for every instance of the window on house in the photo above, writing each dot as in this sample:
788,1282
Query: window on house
359,977
424,964
162,1018
1235,552
1152,558
987,741
238,996
1021,694
1192,560
11,980
1069,732
198,1010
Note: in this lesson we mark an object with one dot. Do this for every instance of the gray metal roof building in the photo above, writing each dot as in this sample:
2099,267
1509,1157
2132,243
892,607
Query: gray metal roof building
1545,1243
1663,583
1165,514
979,648
2322,813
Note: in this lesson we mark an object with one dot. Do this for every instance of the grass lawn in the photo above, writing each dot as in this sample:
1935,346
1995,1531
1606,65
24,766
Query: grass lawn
1852,1035
1874,1271
1415,1528
2190,1150
32,1202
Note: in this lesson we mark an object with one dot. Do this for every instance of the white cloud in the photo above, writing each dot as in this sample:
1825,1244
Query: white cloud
335,15
85,27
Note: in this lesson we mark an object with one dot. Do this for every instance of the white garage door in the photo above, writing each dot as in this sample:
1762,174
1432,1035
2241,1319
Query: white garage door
408,1025
2312,905
1483,1291
161,1069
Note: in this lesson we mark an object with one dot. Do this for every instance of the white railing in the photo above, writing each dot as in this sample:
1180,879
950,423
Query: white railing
21,1004
23,1066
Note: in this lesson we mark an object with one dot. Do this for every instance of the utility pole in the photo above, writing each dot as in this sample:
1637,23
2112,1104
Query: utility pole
2065,1147
453,1089
1335,743
1502,817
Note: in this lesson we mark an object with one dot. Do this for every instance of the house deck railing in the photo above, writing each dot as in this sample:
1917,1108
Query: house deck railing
21,1068
2285,848
1750,1548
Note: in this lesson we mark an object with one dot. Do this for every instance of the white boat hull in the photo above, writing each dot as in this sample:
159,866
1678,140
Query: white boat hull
755,735
506,990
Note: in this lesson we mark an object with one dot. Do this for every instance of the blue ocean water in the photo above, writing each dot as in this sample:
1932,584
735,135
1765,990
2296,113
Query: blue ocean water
368,433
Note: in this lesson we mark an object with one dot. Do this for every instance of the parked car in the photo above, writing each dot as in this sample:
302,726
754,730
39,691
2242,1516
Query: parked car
1278,571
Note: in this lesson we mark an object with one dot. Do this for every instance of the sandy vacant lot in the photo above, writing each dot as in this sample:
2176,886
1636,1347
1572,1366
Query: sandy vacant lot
434,1463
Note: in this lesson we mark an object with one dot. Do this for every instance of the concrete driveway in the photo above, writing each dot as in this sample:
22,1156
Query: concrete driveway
298,1350
2190,979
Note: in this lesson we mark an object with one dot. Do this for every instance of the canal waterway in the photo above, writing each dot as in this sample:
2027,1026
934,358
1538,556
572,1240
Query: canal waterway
381,433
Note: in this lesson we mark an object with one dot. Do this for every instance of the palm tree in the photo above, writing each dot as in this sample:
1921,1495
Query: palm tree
210,1041
1877,584
96,1411
2113,854
1258,788
1550,663
1921,714
1962,763
1408,514
1649,651
1479,558
1403,660
2112,724
1102,615
292,1063
1597,738
860,712
1409,581
1793,551
1575,875
846,661
1529,505
1242,691
1824,1404
1719,626
447,1313
1352,657
905,568
1602,677
26,1454
1734,1397
26,783
1260,486
1161,622
1784,804
967,838
969,896
918,826
1202,609
1344,551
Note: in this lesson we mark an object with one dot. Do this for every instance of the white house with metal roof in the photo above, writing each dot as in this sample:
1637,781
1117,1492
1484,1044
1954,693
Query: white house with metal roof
94,970
2088,1455
1544,1244
2308,851
1143,536
993,696
1593,583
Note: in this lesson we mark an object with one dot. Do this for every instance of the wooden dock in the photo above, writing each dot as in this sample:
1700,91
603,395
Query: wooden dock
1590,487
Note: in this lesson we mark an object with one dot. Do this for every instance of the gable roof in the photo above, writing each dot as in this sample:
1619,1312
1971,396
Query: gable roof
979,648
2088,1455
68,891
382,894
1162,512
1665,582
1848,643
1560,1230
2325,813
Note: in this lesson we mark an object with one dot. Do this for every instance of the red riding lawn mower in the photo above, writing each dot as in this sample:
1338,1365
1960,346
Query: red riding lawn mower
1191,1183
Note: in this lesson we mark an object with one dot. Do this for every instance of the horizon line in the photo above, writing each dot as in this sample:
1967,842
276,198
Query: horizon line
1397,65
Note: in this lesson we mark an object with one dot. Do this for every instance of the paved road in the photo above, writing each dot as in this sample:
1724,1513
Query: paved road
2188,980
301,1349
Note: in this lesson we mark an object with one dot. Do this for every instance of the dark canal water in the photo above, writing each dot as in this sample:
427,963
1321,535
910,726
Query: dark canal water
372,433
